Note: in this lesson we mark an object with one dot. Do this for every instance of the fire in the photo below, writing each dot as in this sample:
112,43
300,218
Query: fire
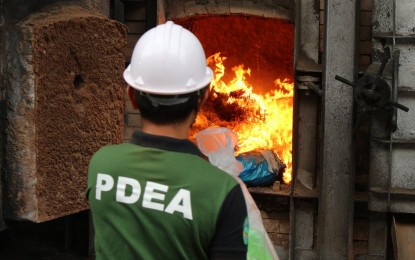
260,121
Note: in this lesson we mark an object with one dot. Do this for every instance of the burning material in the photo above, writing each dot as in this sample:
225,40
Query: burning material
262,121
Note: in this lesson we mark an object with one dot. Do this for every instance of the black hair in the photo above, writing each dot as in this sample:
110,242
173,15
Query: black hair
167,114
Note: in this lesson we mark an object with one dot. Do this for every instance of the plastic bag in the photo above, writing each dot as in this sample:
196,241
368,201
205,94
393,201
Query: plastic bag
218,145
261,167
256,171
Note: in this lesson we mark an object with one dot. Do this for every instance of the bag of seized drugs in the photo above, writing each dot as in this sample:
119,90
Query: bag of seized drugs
260,167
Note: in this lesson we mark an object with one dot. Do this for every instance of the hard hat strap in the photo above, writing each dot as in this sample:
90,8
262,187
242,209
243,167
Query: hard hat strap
156,101
170,100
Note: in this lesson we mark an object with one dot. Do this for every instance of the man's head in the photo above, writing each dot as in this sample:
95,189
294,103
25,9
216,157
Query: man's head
168,73
160,110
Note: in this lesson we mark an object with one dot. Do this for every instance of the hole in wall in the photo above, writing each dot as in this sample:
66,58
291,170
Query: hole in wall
78,81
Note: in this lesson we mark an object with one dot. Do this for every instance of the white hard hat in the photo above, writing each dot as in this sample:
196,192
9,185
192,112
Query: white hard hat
168,60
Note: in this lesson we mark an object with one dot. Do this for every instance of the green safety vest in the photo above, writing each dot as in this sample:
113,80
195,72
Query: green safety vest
149,203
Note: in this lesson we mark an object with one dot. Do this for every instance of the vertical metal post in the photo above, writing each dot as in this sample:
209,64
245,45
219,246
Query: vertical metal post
335,216
306,113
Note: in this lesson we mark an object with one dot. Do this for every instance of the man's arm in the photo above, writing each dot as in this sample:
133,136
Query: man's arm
228,241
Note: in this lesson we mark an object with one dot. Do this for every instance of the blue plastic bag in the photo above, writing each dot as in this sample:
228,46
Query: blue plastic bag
260,168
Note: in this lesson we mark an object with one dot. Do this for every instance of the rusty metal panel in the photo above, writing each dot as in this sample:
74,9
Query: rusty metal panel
393,23
392,164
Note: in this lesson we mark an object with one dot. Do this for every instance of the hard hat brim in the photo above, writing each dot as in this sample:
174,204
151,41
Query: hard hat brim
165,90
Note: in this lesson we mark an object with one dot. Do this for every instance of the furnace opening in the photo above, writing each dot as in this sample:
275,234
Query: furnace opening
252,90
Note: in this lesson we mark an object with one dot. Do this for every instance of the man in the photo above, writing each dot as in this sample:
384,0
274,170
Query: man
156,197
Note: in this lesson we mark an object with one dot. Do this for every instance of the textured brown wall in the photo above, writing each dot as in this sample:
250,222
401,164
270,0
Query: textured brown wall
75,94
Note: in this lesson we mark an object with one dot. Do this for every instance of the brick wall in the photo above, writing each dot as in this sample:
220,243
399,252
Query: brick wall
275,212
365,32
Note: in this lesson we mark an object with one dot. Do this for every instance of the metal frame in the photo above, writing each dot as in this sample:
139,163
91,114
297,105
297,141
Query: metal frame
307,101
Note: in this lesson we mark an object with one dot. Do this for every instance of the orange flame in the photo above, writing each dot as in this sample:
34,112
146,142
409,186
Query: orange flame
263,121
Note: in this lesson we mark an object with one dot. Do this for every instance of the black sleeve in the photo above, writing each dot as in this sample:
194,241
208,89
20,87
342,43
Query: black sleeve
228,242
